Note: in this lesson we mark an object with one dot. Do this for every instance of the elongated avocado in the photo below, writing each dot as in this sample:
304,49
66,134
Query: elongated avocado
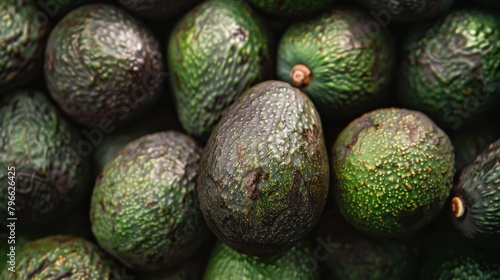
291,8
157,9
405,10
264,174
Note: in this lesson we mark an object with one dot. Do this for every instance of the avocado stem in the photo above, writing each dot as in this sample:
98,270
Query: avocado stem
300,75
457,206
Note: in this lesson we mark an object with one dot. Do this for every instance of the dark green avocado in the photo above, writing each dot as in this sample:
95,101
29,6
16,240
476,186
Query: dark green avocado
263,178
341,64
62,257
383,11
102,66
393,170
450,68
143,208
41,151
475,202
22,38
157,9
291,8
216,51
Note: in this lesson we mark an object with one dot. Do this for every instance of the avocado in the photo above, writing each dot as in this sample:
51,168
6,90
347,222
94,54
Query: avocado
475,202
157,9
393,170
291,8
450,69
343,67
41,151
225,263
62,257
143,208
405,10
102,66
22,38
216,51
264,175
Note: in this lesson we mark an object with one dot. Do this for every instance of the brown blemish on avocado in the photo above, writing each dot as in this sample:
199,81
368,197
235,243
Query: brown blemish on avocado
251,182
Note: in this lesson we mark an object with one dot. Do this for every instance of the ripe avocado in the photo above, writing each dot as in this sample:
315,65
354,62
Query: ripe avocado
143,208
393,170
157,9
50,175
22,38
291,8
450,68
475,200
406,10
103,66
216,51
264,173
333,59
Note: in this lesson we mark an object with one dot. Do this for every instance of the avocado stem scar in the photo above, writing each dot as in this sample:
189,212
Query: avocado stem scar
458,206
300,75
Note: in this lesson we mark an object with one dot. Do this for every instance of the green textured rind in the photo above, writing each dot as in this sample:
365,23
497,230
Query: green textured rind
50,175
157,9
264,173
405,10
351,67
291,8
62,257
225,263
103,66
216,52
143,208
451,67
393,169
22,38
479,186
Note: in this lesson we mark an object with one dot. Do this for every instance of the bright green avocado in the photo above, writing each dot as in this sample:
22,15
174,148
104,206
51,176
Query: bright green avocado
291,8
393,170
450,67
216,51
344,67
383,11
157,9
143,208
263,178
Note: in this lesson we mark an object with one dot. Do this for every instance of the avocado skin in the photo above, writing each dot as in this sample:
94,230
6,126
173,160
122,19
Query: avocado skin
290,8
406,10
62,256
351,70
450,68
50,174
225,263
143,208
479,187
393,170
22,39
264,173
103,66
157,9
217,51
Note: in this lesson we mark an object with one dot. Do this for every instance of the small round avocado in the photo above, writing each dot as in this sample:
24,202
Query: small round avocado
393,170
103,66
143,208
291,8
384,11
157,9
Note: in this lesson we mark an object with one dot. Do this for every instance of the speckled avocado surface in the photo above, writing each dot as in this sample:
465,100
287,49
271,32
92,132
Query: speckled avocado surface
344,67
291,8
22,38
143,208
264,174
217,51
157,9
450,68
42,151
405,10
62,257
393,169
102,66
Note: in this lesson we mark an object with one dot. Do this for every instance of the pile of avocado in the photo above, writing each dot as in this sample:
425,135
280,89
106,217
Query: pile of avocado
249,139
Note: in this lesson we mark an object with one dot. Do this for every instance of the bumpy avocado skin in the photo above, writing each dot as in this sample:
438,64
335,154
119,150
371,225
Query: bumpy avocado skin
450,68
290,8
264,174
405,10
143,208
225,263
217,51
393,169
351,67
22,38
50,175
479,187
157,9
62,257
103,66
